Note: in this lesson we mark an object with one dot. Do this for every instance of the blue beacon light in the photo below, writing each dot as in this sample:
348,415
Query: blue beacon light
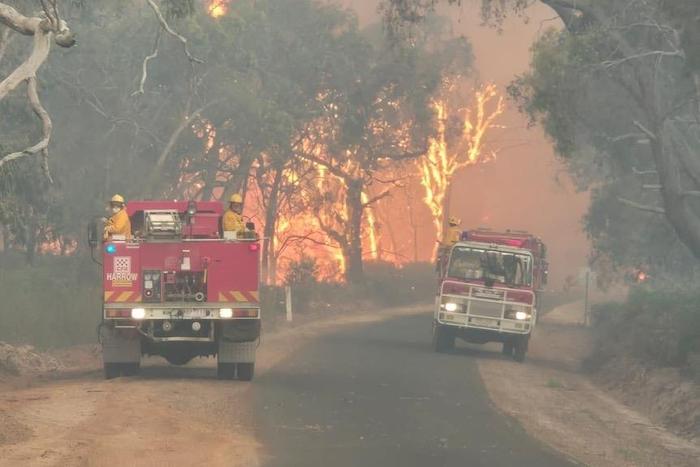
111,248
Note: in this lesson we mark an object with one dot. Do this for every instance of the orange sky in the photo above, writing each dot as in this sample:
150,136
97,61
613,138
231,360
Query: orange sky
526,187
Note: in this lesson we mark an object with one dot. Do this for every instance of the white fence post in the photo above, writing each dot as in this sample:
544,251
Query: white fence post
288,301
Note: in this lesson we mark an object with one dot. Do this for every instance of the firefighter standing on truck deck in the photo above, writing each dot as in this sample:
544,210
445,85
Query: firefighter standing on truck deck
233,218
453,233
451,236
118,224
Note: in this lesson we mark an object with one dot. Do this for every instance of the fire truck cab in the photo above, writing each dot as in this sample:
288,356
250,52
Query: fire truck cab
179,288
489,289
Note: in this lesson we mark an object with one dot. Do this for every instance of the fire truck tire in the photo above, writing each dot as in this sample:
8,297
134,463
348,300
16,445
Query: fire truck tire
520,349
443,339
112,370
226,370
245,371
508,348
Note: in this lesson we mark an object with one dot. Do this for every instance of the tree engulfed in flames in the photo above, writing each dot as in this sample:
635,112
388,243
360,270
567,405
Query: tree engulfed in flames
458,143
312,213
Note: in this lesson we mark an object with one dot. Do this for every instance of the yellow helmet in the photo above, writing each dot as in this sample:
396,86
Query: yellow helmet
454,221
236,198
117,199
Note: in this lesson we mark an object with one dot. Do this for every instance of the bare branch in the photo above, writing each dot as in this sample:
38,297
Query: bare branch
639,137
28,69
642,207
5,39
644,172
171,31
651,53
144,71
645,130
379,197
42,30
43,144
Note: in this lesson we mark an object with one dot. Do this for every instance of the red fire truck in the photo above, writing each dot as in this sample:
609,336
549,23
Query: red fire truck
489,289
179,288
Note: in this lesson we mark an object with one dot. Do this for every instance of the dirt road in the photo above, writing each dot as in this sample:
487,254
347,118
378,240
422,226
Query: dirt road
362,390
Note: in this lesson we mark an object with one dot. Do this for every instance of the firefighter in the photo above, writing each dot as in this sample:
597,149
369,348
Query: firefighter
451,236
118,223
233,218
453,233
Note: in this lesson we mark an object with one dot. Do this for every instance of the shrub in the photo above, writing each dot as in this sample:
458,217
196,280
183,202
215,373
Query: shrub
662,327
54,303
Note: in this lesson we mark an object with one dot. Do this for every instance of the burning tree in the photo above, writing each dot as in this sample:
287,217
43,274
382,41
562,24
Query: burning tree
460,141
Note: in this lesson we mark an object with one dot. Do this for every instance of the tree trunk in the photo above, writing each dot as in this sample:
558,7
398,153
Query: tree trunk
679,210
268,250
354,269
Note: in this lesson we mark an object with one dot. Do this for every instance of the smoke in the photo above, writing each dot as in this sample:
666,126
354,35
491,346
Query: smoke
526,187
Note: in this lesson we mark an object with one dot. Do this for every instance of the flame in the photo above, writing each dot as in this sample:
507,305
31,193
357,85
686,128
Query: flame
372,233
312,211
218,8
446,155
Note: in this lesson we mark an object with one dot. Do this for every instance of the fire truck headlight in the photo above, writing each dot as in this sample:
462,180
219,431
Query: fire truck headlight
521,315
226,313
111,249
138,313
451,307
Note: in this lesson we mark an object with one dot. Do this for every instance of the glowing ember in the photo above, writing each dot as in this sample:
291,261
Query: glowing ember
217,8
446,155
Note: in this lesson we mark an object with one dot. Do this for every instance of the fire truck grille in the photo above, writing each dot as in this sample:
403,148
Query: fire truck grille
483,308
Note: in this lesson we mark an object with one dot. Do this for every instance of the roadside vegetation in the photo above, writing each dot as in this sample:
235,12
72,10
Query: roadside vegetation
648,349
56,302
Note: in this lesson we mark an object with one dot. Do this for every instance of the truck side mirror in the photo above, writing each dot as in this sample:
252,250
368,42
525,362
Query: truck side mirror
250,225
93,234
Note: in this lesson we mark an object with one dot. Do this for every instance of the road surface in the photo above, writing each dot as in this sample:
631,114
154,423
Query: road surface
378,396
366,393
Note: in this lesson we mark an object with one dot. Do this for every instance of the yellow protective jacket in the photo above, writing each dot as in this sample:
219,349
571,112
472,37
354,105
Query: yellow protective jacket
452,235
233,222
118,224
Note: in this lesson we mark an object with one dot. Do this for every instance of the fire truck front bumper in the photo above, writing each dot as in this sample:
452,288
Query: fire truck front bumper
187,322
185,311
489,317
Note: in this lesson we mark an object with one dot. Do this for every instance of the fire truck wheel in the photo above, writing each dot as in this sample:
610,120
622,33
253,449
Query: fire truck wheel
246,371
508,348
226,370
520,349
443,339
112,370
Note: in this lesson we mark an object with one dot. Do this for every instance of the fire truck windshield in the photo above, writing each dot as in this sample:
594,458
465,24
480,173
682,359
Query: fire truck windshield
468,263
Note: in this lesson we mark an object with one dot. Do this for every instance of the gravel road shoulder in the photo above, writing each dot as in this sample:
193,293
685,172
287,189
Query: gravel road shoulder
558,404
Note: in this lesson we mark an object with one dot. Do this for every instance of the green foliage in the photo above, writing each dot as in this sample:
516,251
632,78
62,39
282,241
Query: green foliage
55,303
587,96
661,327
